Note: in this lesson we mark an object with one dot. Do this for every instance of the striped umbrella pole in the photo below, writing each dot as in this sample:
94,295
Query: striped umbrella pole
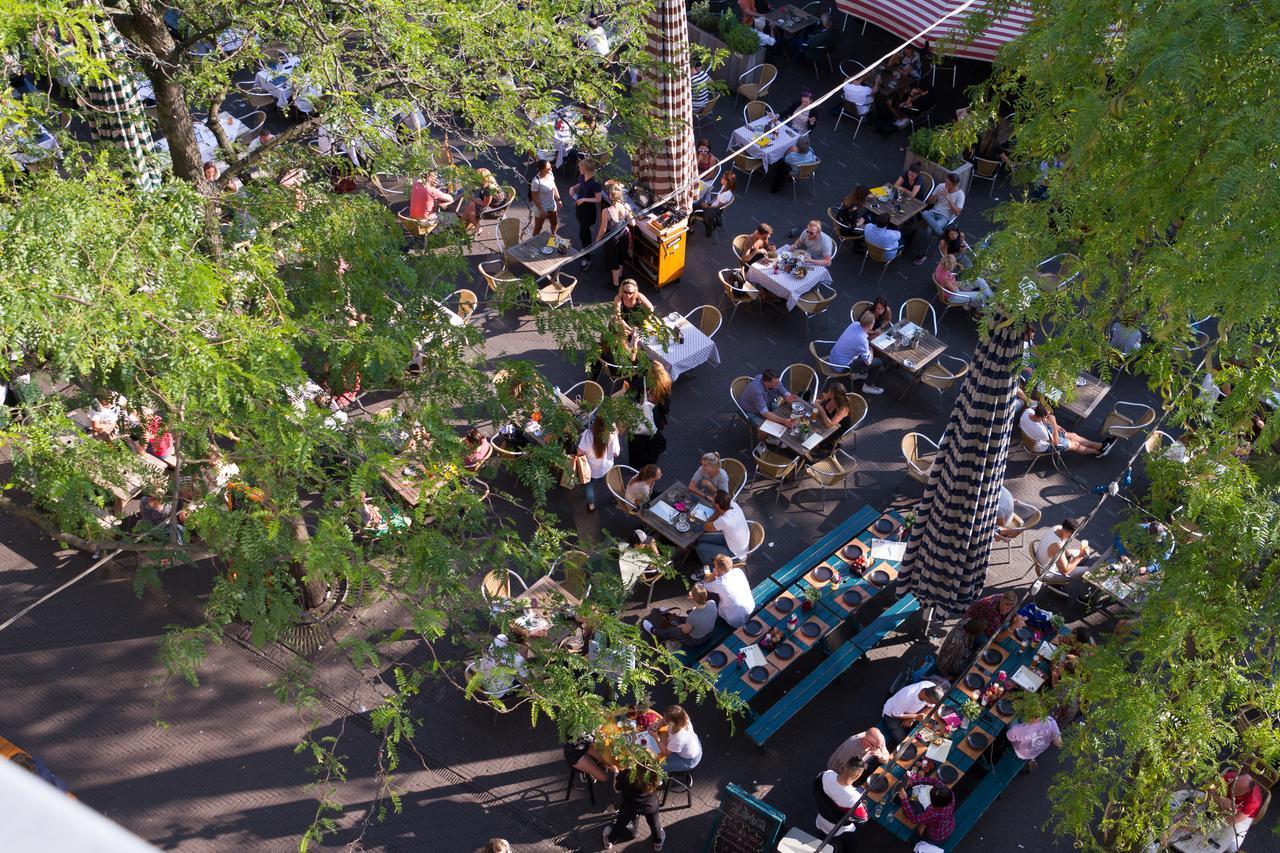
945,565
668,164
116,114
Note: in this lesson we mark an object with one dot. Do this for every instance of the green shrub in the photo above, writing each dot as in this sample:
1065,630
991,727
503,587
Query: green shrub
703,18
739,38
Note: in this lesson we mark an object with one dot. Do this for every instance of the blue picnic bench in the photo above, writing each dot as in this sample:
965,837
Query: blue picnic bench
823,548
763,593
769,722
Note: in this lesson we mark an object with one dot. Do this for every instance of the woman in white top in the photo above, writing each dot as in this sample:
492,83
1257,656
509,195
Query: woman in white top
1042,430
600,447
545,197
680,744
640,489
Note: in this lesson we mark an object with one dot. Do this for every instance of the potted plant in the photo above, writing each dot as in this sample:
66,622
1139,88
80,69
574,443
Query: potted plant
734,47
929,146
970,711
812,595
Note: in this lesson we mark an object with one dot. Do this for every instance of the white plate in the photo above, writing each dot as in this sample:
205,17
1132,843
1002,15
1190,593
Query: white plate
798,408
909,363
547,250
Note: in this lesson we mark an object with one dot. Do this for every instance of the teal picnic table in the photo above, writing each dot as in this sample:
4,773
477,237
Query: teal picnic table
813,621
963,756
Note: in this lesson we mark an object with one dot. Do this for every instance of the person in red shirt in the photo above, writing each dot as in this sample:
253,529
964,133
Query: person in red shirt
1243,800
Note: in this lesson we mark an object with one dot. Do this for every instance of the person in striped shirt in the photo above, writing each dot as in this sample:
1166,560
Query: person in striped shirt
699,84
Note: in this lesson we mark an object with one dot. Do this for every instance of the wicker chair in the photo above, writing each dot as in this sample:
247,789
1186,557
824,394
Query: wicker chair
754,90
919,451
735,294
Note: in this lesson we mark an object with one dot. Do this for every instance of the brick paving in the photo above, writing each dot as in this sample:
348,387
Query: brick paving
213,768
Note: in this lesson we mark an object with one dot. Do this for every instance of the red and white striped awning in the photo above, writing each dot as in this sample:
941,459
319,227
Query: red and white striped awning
905,18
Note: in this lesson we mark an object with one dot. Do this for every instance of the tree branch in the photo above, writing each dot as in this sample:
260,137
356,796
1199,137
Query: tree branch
256,154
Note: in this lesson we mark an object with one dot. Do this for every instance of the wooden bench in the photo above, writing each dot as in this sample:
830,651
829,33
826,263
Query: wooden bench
763,593
975,805
768,723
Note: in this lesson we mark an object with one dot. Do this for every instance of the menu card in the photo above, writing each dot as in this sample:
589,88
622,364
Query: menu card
1028,679
753,655
939,751
812,441
663,510
887,549
772,428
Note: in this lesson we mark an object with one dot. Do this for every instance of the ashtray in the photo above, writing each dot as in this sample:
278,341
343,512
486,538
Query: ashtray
547,250
811,629
977,740
948,774
758,674
717,659
786,651
822,573
1081,382
753,628
785,604
878,784
884,525
909,364
682,526
798,408
879,577
991,656
973,681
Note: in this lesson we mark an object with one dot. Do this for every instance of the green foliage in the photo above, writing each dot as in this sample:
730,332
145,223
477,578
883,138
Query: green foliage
928,143
739,38
703,18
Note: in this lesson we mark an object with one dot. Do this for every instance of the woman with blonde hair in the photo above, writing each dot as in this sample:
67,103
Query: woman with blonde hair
616,216
599,445
710,477
645,446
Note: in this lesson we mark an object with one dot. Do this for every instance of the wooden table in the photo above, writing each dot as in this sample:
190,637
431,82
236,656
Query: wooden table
530,254
898,212
921,353
676,492
410,487
791,438
1105,577
790,20
1087,397
544,591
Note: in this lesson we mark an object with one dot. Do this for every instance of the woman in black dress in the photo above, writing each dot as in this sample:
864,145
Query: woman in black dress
832,410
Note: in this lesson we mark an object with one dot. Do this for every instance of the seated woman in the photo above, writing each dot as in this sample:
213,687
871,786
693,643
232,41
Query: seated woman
689,628
975,292
706,160
487,195
882,314
852,214
832,410
1039,426
759,245
480,449
959,647
640,488
681,746
712,209
952,242
709,478
631,306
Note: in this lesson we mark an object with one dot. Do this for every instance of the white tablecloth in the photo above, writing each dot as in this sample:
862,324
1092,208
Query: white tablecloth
563,123
681,356
41,140
277,80
781,138
784,285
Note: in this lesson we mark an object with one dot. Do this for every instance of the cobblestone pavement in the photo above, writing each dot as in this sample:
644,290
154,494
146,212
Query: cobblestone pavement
213,767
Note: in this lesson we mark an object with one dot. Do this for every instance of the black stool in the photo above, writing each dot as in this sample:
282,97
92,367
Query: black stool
573,780
687,787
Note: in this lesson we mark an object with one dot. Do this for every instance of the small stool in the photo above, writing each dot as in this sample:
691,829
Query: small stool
674,778
573,780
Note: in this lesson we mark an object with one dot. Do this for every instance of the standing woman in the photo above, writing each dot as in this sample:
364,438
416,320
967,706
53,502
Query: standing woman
600,446
639,792
645,449
545,197
616,216
587,196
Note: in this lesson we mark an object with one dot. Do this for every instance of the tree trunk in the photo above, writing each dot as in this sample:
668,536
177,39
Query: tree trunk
311,592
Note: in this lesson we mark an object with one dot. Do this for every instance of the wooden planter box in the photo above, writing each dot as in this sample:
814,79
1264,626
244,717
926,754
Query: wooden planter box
735,64
964,171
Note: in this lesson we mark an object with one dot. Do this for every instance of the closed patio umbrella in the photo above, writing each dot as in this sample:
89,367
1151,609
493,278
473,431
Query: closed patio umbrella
116,115
668,163
945,564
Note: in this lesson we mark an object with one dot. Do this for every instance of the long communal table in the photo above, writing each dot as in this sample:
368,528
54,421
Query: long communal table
963,757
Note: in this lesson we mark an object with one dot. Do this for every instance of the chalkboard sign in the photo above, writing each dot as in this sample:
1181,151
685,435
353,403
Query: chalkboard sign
744,825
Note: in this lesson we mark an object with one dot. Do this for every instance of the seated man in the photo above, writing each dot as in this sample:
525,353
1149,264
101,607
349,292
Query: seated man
762,396
958,649
917,102
909,706
1041,428
854,347
883,235
945,204
1052,550
857,98
726,532
799,155
732,590
836,796
993,610
815,244
866,745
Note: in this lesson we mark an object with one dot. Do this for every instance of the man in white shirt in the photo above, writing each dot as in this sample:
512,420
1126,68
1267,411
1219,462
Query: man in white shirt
1052,550
1041,428
730,585
597,40
883,235
836,796
946,203
857,96
726,532
910,705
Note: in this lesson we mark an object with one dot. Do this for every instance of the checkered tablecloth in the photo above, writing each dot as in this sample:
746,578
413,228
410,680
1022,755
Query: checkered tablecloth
683,355
781,138
784,285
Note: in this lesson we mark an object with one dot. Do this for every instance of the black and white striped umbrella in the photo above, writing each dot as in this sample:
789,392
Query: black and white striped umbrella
116,115
945,564
668,163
